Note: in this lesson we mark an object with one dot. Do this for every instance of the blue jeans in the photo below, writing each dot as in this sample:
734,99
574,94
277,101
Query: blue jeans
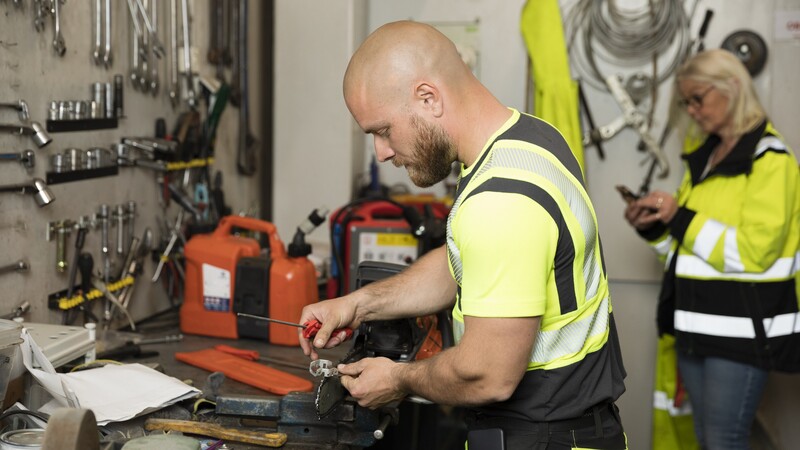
725,395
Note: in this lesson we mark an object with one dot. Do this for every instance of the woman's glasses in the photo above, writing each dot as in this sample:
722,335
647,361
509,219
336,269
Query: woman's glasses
695,100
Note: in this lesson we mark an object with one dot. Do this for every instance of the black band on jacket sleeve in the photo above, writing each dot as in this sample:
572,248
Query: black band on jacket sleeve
680,223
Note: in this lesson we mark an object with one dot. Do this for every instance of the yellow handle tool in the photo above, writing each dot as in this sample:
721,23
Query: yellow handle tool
216,431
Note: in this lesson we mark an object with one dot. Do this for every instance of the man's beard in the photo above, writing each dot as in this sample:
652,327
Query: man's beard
433,155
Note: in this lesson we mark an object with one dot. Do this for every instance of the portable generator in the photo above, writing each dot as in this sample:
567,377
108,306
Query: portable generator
228,274
384,230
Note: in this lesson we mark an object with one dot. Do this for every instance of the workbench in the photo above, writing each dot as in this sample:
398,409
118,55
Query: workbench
198,377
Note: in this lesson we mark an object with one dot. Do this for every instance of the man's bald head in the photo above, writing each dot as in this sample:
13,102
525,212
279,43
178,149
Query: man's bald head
396,57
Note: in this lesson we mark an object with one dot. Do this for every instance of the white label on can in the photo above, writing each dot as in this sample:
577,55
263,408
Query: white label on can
216,288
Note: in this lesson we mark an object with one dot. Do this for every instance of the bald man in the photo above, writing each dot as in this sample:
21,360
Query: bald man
537,359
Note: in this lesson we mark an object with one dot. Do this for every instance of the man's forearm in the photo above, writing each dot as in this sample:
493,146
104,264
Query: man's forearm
423,288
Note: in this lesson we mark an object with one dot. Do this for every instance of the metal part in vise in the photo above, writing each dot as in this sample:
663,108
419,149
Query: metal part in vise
323,368
349,425
631,117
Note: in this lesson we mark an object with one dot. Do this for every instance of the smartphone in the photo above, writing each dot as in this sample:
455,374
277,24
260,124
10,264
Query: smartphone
487,439
626,193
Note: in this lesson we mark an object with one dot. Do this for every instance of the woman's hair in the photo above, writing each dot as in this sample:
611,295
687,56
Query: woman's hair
723,70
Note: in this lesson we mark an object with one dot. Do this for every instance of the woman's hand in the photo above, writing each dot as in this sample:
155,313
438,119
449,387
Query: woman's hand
645,212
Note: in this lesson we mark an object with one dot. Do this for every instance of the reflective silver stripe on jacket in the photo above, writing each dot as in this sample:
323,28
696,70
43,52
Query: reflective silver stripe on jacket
735,327
691,266
513,158
569,340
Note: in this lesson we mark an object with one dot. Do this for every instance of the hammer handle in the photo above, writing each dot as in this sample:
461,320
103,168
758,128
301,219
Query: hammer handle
216,431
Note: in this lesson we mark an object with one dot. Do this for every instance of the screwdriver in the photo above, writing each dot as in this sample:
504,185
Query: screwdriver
310,328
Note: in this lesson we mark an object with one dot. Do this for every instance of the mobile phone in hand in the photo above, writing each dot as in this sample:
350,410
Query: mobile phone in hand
626,194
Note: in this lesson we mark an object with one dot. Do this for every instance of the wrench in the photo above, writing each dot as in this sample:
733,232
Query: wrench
173,63
154,61
27,158
97,53
158,47
191,96
107,56
58,40
38,21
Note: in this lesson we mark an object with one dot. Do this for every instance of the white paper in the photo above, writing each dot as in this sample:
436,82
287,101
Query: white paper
114,392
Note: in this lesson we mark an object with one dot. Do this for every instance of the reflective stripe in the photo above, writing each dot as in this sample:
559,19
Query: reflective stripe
662,402
692,266
732,258
769,142
515,158
735,327
709,324
458,330
664,246
707,238
782,325
570,339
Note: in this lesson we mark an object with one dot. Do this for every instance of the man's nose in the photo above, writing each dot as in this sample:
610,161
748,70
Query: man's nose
383,151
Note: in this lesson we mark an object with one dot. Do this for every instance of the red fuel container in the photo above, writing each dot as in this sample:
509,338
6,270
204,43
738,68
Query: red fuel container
211,266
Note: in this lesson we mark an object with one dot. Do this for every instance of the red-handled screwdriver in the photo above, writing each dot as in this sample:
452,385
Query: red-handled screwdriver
310,328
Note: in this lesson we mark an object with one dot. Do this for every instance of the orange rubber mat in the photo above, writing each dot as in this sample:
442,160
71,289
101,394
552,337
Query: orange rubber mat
247,372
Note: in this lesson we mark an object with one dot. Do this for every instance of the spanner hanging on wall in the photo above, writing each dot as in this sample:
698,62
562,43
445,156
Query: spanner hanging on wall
102,54
246,153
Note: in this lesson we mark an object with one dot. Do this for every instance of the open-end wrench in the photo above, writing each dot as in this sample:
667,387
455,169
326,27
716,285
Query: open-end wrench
39,10
173,68
103,218
107,56
120,215
191,96
158,47
58,39
97,52
133,35
154,61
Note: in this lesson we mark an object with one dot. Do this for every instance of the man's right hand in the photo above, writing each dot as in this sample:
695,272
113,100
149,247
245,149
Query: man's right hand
332,314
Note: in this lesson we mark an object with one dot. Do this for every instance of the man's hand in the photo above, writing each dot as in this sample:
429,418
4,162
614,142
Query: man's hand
372,381
332,314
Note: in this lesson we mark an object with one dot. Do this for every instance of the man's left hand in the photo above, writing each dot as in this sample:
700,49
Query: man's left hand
372,381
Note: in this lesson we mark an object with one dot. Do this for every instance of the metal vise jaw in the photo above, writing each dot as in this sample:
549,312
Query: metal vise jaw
295,414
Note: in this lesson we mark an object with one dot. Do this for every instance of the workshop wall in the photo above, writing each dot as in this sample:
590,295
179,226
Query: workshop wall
339,156
31,71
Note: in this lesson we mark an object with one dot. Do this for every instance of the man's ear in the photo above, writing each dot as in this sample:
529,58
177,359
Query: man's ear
429,98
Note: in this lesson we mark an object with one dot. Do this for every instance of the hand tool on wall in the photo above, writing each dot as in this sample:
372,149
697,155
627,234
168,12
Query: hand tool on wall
631,117
34,129
37,187
103,217
254,355
60,229
175,234
80,239
191,96
310,328
107,56
172,66
59,44
246,154
21,107
19,266
217,431
18,311
155,60
27,158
